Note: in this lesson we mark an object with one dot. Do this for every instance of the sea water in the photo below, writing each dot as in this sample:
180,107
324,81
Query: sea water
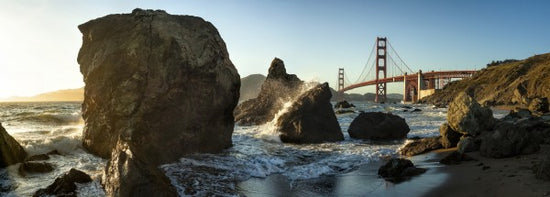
256,152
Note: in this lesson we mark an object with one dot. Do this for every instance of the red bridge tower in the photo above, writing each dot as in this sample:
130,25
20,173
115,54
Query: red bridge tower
380,67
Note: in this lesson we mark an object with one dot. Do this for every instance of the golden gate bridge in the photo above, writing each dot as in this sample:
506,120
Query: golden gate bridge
388,70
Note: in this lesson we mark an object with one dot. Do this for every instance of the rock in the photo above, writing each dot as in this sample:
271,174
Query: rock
278,88
421,146
455,158
508,140
467,144
542,171
378,125
39,157
34,167
11,151
65,185
517,113
53,152
520,94
343,104
449,137
539,106
466,116
310,119
161,84
416,110
398,169
127,174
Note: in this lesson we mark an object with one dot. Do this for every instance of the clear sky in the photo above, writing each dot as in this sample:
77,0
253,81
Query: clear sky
39,39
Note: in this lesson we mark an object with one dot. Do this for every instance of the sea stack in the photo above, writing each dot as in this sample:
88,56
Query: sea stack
158,86
278,87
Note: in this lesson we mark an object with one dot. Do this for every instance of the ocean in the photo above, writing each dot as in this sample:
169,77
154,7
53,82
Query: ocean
256,154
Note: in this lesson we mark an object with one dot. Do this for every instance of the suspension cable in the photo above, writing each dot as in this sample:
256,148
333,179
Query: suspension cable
391,47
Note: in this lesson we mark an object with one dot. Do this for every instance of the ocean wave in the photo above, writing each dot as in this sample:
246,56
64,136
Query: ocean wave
51,118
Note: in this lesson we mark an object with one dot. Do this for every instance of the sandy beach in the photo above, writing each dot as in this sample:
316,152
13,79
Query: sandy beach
485,177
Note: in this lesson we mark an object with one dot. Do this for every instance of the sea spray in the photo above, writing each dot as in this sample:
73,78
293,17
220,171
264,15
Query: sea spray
270,131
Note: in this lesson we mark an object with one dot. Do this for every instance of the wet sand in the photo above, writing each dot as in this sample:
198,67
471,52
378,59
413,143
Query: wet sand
484,177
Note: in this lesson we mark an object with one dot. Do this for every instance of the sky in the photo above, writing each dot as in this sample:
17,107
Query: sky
39,39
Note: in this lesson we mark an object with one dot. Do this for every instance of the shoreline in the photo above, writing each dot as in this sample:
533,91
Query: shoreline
494,177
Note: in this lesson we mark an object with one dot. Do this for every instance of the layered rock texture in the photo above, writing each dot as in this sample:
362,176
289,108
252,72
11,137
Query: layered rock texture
466,116
10,150
504,84
278,88
310,118
378,125
158,86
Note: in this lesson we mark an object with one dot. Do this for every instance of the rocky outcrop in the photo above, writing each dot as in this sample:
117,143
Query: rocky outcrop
278,88
128,174
455,158
65,185
310,119
421,146
508,140
159,85
378,125
449,137
398,169
539,106
11,150
467,144
506,84
343,104
251,86
466,116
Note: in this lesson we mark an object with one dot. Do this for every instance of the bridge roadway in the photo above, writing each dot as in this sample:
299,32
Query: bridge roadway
411,81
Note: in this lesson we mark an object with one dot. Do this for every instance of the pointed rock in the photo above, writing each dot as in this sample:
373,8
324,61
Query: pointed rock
11,152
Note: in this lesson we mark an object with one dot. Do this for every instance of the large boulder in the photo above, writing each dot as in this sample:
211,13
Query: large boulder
398,169
467,144
465,115
310,119
11,151
449,137
65,184
378,125
278,88
539,105
421,146
162,85
508,140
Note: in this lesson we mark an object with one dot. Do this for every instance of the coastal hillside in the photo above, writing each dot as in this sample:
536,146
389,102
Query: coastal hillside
59,95
391,97
507,83
250,86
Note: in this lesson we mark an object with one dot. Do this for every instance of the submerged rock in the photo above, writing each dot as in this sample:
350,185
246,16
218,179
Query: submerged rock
378,125
449,137
466,116
65,185
310,119
421,146
11,151
398,169
508,140
163,85
278,87
34,167
343,104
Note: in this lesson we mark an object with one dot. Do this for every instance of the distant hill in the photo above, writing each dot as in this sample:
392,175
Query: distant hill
392,97
60,95
502,82
250,86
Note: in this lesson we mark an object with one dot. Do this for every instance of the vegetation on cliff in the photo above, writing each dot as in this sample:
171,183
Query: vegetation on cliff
513,82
